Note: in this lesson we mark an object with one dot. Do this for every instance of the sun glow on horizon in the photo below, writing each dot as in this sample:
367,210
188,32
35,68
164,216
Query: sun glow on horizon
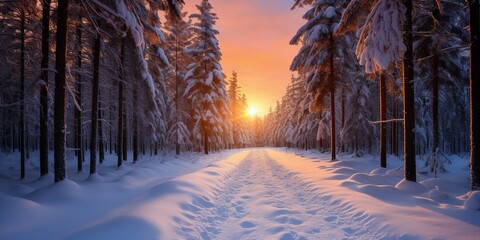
252,111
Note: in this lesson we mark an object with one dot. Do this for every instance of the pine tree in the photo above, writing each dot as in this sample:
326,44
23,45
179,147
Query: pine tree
178,39
234,95
206,87
321,51
386,38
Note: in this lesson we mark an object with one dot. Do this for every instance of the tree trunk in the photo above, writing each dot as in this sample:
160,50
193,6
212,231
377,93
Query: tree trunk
60,84
474,94
94,121
125,138
44,88
110,131
343,119
120,108
435,126
22,93
205,139
135,128
383,125
101,140
78,111
409,98
177,112
332,102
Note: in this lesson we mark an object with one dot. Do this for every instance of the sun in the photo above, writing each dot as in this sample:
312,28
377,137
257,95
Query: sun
252,111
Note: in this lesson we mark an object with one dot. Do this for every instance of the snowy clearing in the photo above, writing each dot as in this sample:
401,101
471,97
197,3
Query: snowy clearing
262,193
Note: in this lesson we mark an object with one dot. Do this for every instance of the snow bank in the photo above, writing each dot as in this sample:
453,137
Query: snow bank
430,209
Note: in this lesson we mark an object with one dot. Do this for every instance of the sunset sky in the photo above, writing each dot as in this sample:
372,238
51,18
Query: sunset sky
254,37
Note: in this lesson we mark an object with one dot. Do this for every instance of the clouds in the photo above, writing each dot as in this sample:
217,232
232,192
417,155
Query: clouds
254,36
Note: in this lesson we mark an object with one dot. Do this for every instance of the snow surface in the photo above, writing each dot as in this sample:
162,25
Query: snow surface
262,193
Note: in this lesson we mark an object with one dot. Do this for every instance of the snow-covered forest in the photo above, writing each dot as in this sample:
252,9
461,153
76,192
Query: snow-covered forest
119,112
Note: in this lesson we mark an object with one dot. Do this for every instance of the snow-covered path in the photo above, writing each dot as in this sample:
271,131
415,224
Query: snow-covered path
262,198
260,193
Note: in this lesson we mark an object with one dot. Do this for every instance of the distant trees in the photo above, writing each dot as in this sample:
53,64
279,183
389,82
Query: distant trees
122,82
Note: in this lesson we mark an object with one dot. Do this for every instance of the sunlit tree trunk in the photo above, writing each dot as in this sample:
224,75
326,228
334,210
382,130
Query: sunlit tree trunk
474,94
205,138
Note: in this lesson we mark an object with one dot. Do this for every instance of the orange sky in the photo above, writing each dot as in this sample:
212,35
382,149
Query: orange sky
254,36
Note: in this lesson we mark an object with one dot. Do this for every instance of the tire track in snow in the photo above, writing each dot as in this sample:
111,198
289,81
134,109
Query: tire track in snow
261,199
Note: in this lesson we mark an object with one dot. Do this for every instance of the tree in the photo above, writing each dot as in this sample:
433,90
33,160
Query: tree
60,84
321,51
206,88
44,87
22,90
234,95
388,19
474,7
94,114
178,38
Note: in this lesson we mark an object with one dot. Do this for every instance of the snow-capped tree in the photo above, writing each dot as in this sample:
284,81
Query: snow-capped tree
386,38
325,58
206,87
440,47
177,40
234,97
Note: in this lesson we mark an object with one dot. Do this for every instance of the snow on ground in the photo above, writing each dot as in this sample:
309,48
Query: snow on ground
262,193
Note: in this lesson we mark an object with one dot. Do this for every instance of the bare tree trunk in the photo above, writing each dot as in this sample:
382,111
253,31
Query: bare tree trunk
409,98
177,106
343,118
332,102
110,131
78,111
135,128
101,140
383,125
205,138
125,138
120,108
22,92
44,88
435,126
95,90
60,84
474,94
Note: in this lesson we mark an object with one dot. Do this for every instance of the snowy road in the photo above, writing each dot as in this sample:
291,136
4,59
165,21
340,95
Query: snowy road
262,199
262,193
